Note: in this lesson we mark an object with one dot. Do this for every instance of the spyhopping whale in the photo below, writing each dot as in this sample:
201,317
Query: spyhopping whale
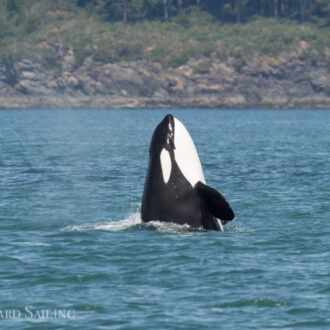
175,189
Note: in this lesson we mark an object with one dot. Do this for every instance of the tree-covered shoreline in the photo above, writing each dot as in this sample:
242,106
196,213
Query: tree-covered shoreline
166,32
90,54
223,10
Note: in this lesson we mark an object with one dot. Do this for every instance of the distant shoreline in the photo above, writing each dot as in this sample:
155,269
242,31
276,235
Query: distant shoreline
262,83
70,55
169,109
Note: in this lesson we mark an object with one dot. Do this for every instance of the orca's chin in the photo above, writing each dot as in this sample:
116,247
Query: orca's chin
169,124
163,136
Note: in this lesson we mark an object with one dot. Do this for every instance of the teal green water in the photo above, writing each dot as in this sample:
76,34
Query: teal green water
72,244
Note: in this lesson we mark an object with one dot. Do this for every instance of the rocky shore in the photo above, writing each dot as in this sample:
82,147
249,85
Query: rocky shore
261,82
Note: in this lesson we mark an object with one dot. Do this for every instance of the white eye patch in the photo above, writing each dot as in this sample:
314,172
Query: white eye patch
166,163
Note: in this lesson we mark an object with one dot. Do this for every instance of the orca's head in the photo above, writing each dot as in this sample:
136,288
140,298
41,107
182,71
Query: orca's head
163,137
172,142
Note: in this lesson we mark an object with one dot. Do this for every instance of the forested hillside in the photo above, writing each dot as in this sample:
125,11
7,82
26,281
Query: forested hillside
163,30
134,10
211,48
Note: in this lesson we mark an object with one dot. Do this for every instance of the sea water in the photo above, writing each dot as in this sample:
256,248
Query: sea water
75,255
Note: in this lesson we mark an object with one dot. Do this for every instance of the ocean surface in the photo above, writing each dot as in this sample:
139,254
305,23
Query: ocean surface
74,254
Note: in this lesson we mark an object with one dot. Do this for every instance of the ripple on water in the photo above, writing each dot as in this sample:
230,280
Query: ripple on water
259,302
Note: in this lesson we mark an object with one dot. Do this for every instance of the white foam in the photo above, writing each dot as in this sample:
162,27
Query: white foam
133,220
168,227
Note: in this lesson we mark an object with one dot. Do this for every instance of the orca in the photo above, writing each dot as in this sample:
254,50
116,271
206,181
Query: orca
175,189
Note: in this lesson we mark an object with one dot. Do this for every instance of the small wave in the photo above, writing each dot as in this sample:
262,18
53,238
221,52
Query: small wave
30,243
239,230
10,258
260,302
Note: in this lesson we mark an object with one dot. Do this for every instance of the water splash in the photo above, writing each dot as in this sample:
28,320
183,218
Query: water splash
134,222
169,227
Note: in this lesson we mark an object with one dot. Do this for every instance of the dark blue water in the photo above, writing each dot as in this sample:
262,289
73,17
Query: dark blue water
74,254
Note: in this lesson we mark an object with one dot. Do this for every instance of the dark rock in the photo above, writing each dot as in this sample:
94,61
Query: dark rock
11,76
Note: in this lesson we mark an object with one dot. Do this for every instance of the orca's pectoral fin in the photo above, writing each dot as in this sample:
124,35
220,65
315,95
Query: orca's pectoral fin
215,202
